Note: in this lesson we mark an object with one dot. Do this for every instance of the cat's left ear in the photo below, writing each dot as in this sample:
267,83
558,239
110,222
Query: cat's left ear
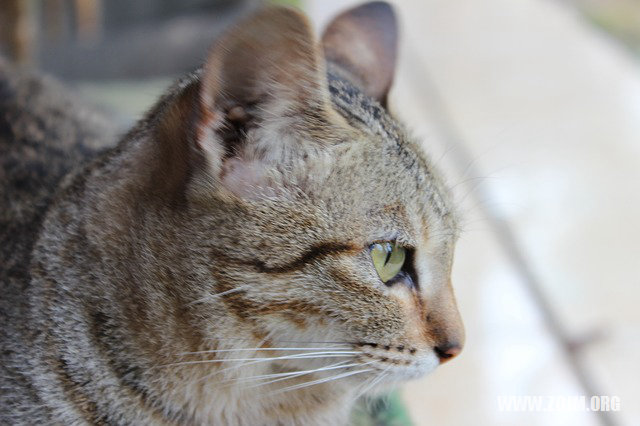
263,99
362,43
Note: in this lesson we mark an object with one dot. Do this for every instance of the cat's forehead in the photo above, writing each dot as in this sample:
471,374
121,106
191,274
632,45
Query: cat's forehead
387,175
358,109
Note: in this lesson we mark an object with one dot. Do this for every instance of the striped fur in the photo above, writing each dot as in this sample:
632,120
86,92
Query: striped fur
214,267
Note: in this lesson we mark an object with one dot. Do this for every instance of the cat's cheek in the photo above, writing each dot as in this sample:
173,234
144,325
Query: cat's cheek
410,312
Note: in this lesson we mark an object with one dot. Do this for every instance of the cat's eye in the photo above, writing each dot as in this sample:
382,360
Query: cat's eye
388,259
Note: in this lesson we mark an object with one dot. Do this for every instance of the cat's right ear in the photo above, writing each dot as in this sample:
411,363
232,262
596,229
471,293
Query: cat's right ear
362,43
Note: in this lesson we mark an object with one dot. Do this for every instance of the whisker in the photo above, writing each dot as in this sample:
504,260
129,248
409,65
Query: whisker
327,354
254,349
323,380
285,341
362,385
372,384
234,367
310,372
291,375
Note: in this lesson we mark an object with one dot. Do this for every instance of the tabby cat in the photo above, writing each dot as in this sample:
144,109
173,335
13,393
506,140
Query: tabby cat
267,245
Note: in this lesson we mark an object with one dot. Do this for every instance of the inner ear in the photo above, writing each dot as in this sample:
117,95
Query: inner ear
362,44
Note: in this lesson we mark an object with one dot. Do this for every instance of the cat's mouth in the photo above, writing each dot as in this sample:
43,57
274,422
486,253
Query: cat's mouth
398,362
370,367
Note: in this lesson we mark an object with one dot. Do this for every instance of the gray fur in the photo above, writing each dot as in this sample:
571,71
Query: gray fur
107,284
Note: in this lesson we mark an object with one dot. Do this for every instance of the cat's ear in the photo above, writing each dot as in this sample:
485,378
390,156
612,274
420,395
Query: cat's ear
363,42
273,54
262,91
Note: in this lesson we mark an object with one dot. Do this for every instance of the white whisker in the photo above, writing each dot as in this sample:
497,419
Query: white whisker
315,342
294,374
372,383
319,381
324,354
361,386
256,349
235,367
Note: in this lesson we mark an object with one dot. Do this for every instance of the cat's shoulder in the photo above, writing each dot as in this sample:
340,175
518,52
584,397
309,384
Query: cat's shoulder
45,131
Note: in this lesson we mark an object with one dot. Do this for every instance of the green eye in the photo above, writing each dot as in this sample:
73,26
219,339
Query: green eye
388,259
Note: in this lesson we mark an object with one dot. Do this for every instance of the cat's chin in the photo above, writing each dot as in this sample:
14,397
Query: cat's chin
384,380
394,373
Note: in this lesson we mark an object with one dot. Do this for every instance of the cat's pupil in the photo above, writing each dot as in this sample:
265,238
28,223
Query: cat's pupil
389,251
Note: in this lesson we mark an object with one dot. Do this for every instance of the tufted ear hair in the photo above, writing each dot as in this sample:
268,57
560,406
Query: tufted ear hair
362,44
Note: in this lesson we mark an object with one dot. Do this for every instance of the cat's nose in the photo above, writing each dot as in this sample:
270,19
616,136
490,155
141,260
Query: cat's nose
447,351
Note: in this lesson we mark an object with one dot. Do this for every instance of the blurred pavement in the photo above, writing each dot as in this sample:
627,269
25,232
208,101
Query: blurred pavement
549,108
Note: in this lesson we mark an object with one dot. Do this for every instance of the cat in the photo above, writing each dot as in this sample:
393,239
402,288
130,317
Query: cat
266,245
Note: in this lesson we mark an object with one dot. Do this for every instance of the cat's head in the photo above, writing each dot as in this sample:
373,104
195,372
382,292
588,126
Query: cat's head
308,212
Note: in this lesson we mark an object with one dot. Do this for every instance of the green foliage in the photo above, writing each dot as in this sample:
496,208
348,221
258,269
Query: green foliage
294,3
389,410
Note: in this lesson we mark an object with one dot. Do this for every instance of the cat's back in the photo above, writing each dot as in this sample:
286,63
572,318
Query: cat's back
44,133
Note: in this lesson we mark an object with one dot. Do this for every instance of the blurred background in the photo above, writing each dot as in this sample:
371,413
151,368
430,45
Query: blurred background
532,109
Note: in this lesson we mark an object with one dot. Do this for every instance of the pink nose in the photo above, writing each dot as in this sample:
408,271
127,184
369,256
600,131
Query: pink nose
447,352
